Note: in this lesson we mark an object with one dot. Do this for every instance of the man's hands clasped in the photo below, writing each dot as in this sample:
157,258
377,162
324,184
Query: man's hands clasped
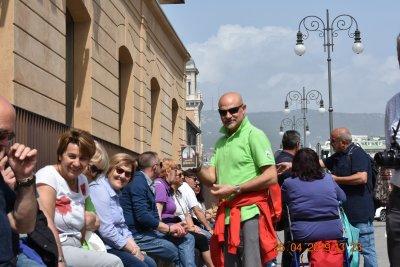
178,229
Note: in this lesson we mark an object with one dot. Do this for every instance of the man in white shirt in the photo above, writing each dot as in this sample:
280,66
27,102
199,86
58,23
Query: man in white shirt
189,196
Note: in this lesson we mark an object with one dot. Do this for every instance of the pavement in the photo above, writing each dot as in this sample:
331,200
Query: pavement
380,244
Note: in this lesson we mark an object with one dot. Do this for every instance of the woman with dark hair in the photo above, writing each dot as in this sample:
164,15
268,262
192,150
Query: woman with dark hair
312,197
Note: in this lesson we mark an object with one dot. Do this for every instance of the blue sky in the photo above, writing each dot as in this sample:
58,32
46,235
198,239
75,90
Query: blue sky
247,46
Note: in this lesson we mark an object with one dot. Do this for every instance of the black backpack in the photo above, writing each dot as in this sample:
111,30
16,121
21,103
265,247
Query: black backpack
372,181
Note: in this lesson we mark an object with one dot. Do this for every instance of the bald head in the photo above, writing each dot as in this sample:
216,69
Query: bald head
340,139
230,98
342,133
6,109
7,119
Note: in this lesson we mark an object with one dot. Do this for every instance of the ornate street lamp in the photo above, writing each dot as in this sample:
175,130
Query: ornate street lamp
304,98
328,31
293,124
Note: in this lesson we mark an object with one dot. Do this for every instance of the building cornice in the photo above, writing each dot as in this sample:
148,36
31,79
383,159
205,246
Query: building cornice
192,70
168,28
172,1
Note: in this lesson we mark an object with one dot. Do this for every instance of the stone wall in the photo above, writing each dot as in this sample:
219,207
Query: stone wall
125,54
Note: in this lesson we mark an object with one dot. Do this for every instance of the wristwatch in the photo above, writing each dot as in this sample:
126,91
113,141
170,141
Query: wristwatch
237,189
26,182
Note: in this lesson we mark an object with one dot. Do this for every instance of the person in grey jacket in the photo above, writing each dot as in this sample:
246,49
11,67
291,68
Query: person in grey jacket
392,116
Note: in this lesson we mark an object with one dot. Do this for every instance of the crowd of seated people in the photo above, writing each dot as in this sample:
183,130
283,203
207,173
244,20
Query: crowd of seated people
136,211
93,210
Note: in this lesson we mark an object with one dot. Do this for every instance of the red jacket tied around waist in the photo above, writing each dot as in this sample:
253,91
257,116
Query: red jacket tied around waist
269,204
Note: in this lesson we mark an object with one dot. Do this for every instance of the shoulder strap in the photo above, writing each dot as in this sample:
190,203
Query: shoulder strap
349,153
351,149
369,184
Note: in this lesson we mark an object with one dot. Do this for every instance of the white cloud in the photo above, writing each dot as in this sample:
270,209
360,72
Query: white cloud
260,63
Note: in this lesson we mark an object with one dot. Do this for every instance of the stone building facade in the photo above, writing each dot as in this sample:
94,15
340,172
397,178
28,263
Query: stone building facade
115,68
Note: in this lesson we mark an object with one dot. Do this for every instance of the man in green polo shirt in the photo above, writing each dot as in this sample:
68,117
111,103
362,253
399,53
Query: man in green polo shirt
243,162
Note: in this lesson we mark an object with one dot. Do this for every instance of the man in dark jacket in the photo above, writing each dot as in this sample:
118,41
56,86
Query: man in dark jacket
168,242
351,168
290,145
17,208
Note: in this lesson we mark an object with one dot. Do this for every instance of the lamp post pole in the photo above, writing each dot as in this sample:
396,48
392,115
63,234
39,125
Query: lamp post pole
304,99
303,112
328,32
329,61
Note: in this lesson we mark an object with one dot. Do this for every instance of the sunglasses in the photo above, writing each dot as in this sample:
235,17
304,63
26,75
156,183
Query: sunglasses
120,171
191,177
6,135
232,111
94,169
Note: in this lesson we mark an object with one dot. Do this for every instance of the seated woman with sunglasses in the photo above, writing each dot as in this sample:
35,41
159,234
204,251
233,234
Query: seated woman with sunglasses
312,197
105,194
62,192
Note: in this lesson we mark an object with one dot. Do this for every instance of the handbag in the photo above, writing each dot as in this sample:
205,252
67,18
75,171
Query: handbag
381,190
351,234
326,254
42,240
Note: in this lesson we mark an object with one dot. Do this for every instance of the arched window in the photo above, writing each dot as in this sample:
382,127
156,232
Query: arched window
77,25
155,115
69,69
175,136
125,98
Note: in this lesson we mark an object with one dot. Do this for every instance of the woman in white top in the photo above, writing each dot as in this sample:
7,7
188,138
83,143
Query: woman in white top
62,192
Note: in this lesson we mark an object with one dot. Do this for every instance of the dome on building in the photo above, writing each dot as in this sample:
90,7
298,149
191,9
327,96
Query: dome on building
190,64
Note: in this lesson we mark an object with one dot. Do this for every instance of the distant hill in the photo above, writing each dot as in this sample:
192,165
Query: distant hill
358,123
